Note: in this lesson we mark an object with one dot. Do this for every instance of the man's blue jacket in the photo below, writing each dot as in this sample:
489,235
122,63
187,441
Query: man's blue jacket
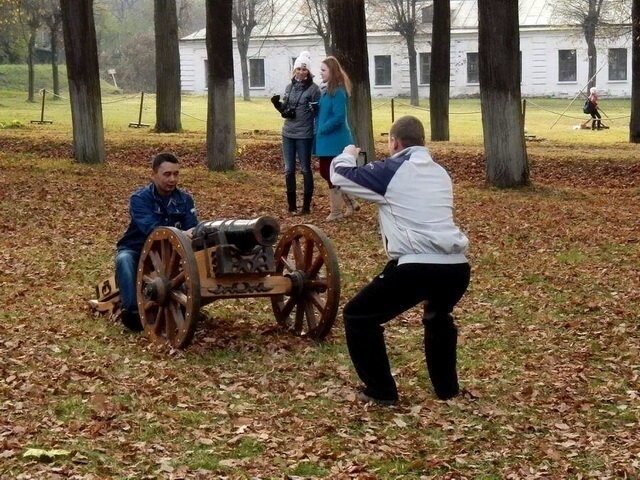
149,210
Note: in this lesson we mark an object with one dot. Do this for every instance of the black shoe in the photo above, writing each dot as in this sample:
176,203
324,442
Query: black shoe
364,397
132,321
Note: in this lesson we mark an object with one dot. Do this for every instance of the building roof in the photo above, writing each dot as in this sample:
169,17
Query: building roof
291,17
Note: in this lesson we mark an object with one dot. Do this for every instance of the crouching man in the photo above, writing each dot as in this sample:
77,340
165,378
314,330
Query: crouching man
427,261
159,204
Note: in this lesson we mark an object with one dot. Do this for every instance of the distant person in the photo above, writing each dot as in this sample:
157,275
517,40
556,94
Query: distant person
160,203
591,107
333,132
296,107
427,261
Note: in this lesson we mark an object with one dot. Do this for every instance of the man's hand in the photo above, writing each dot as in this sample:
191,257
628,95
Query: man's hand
189,233
351,150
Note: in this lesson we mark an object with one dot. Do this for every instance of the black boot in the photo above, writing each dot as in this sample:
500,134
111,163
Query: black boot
440,342
599,125
291,201
131,320
593,125
306,203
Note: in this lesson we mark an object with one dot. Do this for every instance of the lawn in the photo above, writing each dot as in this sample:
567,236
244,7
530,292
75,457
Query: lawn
549,336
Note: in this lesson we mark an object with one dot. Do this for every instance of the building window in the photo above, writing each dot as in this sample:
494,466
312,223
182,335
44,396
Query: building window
473,75
617,64
427,14
567,66
383,69
425,68
256,72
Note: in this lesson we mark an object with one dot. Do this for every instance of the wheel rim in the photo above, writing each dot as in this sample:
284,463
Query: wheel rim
168,287
306,255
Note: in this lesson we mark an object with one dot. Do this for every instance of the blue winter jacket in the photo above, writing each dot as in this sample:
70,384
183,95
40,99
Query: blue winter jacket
148,211
333,133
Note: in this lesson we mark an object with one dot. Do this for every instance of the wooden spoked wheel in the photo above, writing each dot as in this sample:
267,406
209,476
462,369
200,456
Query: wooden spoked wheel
306,255
168,287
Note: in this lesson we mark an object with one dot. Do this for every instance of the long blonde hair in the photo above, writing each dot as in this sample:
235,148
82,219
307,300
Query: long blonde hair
338,76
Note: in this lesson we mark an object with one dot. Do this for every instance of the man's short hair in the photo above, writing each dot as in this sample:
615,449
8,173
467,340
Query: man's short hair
160,158
408,130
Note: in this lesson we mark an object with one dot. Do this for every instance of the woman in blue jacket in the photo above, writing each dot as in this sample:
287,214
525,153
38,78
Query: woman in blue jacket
332,130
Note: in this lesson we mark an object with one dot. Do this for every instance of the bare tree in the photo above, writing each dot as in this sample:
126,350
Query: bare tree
318,16
30,14
168,104
502,122
440,70
400,16
12,44
246,16
634,123
349,33
221,121
53,20
84,80
596,18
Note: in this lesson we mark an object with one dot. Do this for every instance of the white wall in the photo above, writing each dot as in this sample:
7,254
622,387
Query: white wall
539,63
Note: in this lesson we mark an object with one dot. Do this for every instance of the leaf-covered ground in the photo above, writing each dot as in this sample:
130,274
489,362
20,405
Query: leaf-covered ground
549,336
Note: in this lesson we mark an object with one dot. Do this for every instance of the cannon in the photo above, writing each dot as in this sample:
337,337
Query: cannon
178,275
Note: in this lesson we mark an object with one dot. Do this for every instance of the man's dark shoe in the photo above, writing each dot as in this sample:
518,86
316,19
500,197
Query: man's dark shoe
364,397
132,321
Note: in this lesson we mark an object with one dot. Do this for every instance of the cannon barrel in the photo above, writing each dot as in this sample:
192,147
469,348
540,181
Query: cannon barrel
243,234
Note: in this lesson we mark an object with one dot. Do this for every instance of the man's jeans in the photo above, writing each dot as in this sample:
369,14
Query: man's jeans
302,148
126,270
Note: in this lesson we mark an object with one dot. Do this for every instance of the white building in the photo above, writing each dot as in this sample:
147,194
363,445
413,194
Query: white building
554,56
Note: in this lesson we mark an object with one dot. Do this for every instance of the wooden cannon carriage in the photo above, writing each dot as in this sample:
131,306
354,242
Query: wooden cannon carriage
177,275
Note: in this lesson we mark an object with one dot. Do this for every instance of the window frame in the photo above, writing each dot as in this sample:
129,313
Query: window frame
563,68
377,69
620,67
421,72
475,63
251,73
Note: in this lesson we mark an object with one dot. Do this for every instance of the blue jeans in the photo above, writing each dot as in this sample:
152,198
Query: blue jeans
302,148
126,270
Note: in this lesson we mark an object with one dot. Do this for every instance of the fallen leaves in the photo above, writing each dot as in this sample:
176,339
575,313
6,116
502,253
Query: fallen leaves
548,335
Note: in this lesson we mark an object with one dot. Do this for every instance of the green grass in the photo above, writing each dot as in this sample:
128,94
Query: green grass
258,115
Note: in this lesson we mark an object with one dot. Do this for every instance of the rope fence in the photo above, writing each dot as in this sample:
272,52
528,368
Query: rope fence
392,104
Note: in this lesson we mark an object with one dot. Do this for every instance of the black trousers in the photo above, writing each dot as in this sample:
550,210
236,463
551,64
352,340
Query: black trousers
396,289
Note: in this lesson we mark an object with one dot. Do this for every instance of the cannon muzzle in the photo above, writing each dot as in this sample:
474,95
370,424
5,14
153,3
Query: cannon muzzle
243,234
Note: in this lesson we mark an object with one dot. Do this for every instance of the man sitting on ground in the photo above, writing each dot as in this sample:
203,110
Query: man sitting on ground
159,204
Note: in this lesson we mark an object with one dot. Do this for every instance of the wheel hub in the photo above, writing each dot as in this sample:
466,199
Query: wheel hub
298,279
156,290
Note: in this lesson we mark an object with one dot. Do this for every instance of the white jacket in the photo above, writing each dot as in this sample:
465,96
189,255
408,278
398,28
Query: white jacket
415,204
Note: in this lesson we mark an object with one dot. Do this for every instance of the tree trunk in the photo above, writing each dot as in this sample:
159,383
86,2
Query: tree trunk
440,71
413,71
592,53
53,34
502,122
84,80
243,48
589,29
221,139
30,59
328,49
349,34
167,67
634,124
